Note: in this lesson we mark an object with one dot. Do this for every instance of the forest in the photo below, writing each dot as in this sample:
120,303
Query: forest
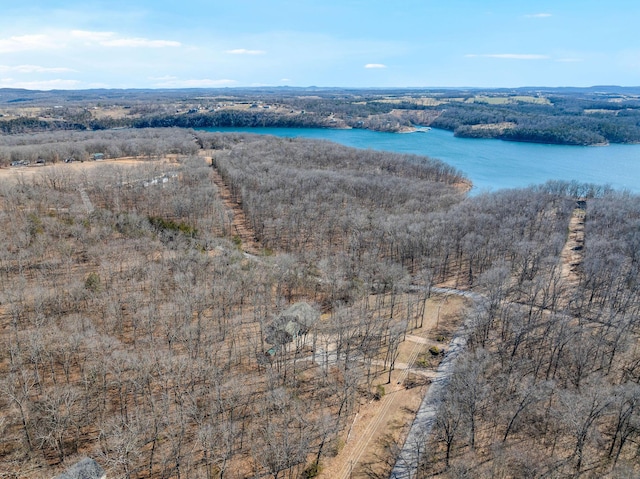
142,325
588,116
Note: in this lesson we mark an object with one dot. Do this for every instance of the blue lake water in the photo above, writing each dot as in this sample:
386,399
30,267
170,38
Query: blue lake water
492,164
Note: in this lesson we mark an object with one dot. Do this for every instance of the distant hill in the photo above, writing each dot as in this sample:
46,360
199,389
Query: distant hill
12,95
596,115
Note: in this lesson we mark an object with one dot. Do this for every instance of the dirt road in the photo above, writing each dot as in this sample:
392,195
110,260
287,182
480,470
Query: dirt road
396,410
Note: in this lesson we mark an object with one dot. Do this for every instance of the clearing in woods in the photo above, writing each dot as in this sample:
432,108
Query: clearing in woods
572,253
389,419
240,224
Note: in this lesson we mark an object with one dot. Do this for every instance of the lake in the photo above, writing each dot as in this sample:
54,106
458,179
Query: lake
492,164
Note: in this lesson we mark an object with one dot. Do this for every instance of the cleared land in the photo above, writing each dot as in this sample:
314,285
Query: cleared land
386,421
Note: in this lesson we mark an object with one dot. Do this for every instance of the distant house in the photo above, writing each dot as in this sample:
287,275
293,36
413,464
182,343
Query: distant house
87,468
97,156
292,324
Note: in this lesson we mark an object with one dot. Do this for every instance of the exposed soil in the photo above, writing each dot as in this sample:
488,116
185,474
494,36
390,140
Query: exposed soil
240,225
391,417
572,252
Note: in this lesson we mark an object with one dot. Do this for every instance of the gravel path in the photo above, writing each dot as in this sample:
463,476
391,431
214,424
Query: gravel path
406,466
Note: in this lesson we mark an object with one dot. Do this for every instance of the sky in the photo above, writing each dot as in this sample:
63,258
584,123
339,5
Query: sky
69,44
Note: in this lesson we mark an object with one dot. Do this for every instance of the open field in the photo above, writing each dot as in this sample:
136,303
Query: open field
509,99
22,174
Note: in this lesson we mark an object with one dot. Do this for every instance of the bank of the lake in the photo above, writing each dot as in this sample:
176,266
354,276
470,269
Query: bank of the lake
492,164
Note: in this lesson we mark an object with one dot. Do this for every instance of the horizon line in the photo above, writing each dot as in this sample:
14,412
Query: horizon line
314,87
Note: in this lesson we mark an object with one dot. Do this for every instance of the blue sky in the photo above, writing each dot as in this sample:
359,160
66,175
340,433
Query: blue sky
72,44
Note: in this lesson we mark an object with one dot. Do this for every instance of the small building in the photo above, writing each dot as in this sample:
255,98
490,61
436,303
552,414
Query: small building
87,468
97,156
292,324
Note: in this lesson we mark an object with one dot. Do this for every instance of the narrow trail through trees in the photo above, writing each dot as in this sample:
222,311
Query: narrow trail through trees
408,459
371,426
381,419
86,201
573,251
240,225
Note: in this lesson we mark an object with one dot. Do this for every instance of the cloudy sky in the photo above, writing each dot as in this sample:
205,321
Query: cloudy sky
69,44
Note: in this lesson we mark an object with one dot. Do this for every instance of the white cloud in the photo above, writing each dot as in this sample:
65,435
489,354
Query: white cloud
139,42
510,56
26,42
172,82
375,65
110,39
285,79
244,51
57,84
59,39
539,15
34,69
92,36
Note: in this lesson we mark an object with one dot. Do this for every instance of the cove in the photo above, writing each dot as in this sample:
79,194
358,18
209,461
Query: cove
491,164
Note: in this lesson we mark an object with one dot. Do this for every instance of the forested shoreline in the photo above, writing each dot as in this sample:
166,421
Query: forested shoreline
560,116
136,330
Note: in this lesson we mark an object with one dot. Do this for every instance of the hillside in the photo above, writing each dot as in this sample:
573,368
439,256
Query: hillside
571,116
224,305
